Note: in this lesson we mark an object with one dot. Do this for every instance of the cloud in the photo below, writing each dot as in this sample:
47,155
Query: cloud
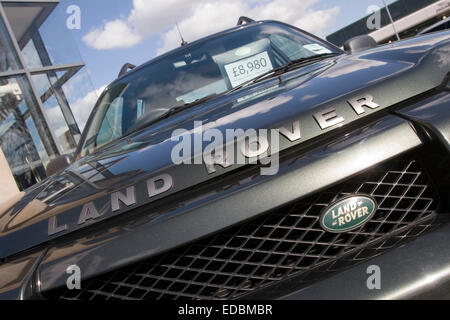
211,14
150,17
208,18
56,119
198,18
113,35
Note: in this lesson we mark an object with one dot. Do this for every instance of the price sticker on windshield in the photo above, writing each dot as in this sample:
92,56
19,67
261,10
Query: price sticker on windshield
246,69
316,48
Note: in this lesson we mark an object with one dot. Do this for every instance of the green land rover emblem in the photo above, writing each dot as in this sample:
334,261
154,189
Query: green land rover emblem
348,214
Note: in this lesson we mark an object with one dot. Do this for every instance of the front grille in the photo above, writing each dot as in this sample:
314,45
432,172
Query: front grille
286,242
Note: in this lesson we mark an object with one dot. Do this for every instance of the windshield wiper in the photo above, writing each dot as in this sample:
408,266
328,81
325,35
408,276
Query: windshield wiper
302,61
182,107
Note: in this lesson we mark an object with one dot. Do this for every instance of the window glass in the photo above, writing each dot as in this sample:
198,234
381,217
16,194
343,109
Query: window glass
58,41
111,127
292,49
54,113
81,96
31,56
19,137
37,141
51,44
58,124
8,56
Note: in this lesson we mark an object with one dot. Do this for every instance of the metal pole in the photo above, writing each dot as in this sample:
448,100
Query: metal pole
390,18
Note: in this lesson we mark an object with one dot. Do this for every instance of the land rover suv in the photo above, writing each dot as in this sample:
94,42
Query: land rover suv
258,162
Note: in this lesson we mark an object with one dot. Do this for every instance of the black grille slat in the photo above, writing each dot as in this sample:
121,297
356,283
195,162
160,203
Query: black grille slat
286,242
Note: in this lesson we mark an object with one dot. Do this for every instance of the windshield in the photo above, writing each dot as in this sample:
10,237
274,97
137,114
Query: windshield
206,68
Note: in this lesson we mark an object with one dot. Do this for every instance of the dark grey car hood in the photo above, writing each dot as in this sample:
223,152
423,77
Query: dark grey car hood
391,74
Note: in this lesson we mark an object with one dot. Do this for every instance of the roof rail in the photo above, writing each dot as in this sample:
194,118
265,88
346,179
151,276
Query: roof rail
125,68
244,19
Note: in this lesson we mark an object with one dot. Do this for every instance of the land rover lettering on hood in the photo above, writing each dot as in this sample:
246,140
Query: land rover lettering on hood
260,162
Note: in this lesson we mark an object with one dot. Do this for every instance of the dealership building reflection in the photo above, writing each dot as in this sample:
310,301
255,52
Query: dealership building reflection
43,90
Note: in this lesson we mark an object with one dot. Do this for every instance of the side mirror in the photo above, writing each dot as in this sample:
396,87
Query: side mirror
59,164
359,43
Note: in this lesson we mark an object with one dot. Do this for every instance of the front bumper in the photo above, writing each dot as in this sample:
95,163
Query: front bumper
417,270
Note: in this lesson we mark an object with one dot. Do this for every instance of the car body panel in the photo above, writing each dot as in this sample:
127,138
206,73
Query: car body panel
96,176
141,238
433,114
419,269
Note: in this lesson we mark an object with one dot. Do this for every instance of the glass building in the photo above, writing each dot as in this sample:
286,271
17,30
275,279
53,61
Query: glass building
44,87
410,17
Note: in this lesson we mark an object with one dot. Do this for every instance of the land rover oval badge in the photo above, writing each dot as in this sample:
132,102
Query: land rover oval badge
348,213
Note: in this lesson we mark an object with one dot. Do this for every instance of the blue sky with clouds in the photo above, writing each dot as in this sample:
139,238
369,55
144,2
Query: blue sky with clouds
117,31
